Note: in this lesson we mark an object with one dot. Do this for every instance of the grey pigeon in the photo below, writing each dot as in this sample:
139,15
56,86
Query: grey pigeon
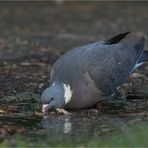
85,75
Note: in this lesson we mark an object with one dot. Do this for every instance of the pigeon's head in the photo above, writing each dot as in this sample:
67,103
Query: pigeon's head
55,96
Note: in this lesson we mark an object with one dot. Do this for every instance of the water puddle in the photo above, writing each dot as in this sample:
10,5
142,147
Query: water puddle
22,124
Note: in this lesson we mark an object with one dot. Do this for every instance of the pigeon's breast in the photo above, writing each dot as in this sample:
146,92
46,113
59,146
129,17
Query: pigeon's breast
85,93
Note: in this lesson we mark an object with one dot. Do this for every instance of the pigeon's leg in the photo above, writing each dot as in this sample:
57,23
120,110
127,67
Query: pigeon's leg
101,105
62,111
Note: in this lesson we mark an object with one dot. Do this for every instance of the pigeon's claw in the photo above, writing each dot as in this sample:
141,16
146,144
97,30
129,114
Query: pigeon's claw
62,111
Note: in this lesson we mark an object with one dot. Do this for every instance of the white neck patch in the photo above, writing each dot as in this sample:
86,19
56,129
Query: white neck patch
67,93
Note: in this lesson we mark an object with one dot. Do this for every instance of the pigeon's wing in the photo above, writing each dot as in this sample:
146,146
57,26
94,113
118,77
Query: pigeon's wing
110,65
88,47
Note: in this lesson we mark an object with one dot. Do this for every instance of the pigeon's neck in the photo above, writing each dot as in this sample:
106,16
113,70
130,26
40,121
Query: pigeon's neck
64,89
67,93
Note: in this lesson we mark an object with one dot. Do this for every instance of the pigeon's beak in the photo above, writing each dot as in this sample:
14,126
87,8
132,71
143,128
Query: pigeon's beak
45,108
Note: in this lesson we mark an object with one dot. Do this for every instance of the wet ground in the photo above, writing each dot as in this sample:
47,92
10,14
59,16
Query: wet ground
32,36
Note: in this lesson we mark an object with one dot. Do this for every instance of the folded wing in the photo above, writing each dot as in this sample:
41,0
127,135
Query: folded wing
110,65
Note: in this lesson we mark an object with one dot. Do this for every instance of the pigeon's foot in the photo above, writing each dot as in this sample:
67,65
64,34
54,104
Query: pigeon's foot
62,111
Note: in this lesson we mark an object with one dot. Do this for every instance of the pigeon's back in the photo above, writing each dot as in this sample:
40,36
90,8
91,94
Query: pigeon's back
108,65
71,64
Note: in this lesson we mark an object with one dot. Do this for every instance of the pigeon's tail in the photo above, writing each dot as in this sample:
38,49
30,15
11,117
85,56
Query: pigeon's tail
116,39
144,57
141,56
139,46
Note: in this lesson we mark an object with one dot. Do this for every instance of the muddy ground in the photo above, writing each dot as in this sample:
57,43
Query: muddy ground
34,34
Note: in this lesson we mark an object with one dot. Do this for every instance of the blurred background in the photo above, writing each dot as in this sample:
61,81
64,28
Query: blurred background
34,34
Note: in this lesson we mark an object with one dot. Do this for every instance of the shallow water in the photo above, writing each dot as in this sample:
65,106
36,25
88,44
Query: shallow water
81,128
22,124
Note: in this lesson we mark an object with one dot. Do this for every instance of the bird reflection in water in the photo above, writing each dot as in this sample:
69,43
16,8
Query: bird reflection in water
57,126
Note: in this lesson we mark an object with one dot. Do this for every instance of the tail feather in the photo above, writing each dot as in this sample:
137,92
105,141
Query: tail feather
140,53
144,57
116,39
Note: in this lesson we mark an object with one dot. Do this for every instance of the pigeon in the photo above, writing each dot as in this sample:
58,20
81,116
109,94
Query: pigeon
86,75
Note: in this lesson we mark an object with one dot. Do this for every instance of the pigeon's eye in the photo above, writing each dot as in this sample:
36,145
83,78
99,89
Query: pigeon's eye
52,99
